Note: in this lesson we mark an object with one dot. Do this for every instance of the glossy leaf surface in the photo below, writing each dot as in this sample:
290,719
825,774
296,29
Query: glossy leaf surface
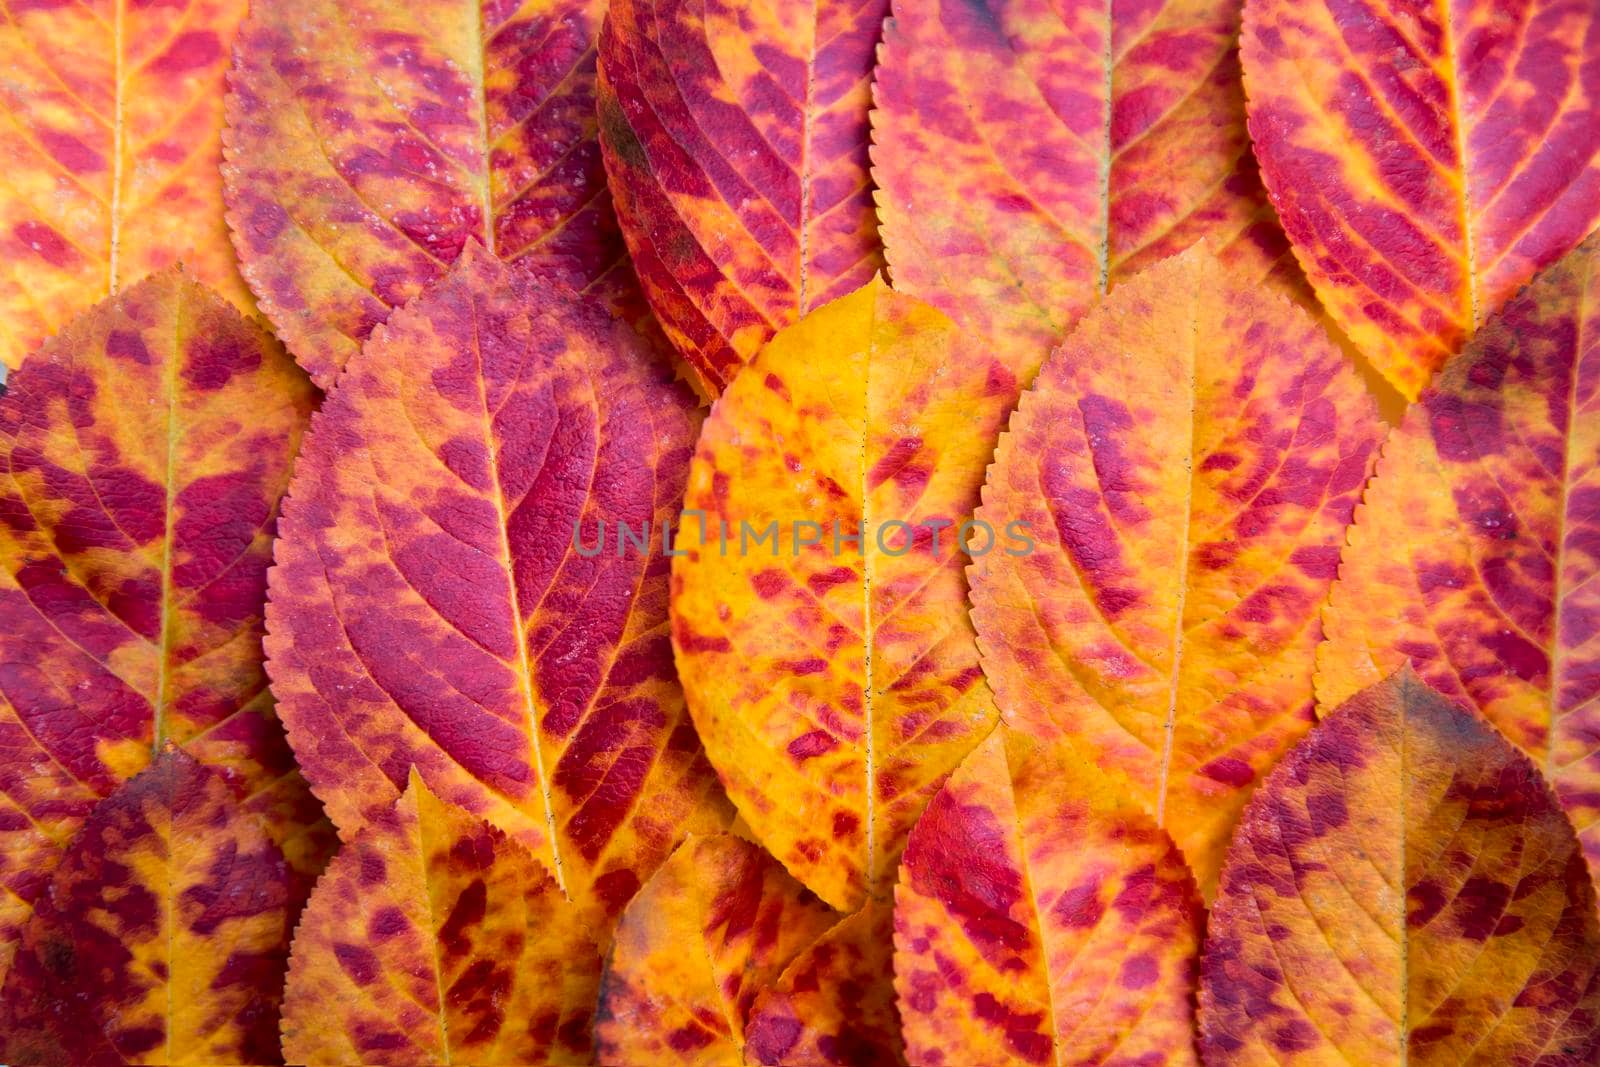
112,135
735,137
143,452
835,683
434,938
1042,918
1425,158
1479,539
369,141
713,927
1032,153
430,609
1186,464
1403,889
163,936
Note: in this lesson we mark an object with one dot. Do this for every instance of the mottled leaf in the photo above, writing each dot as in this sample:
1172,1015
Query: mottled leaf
143,452
1187,464
834,1005
111,136
429,608
1042,918
434,938
1478,542
716,924
735,137
1032,153
368,142
1426,159
163,936
1403,889
835,683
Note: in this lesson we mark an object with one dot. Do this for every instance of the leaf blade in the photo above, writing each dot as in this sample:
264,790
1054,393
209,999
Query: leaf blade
1478,529
1042,918
439,940
114,140
1479,942
133,558
833,686
368,143
735,229
430,608
662,1002
1031,155
122,961
1416,204
1187,486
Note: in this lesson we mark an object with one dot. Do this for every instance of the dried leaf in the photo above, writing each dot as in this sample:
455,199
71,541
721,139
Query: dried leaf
1476,548
736,142
1403,889
715,924
429,608
1186,463
434,938
143,452
1426,159
163,937
1030,154
368,142
835,685
112,140
1041,918
834,1005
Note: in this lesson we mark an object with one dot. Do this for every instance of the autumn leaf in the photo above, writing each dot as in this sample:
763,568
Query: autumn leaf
1403,888
735,138
1479,539
715,925
1425,159
1030,155
834,1004
1186,463
434,938
1042,918
143,451
112,140
430,609
835,683
368,142
163,936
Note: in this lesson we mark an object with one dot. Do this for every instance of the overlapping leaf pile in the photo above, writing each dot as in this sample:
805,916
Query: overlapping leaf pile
1060,642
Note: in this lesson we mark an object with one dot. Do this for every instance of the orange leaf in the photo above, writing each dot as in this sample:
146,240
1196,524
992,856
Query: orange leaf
836,683
143,452
1479,539
430,607
1041,918
714,925
1187,463
434,938
368,142
112,137
834,1004
163,936
1030,154
1403,889
1426,159
736,143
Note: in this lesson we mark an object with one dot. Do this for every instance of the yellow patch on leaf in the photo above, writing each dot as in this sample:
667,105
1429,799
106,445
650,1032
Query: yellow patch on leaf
819,625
